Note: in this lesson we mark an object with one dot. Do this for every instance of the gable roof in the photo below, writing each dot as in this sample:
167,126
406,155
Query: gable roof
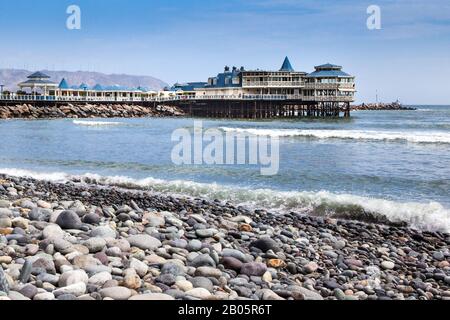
287,65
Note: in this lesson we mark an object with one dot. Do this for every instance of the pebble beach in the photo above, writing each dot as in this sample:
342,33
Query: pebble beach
80,241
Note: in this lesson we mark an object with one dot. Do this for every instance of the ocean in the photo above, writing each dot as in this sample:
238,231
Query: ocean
390,164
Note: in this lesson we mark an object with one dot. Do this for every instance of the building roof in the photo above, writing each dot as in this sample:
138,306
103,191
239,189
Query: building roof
37,82
97,87
329,74
328,70
63,84
83,86
38,75
287,66
189,86
328,66
225,79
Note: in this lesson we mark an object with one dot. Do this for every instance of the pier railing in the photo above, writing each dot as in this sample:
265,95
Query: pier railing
174,98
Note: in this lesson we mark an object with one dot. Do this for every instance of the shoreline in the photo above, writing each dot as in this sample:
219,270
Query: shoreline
142,245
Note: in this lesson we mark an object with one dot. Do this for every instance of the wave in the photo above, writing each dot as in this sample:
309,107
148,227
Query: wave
414,137
422,216
96,123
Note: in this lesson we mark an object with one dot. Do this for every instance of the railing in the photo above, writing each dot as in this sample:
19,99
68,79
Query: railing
329,98
280,84
245,97
329,85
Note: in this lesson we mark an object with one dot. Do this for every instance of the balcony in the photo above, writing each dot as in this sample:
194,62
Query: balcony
329,98
329,86
273,84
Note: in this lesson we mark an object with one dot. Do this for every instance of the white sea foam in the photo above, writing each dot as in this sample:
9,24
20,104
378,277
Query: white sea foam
414,137
96,123
423,216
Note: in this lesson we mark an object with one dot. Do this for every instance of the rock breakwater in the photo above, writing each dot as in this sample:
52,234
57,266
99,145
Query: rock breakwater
28,111
381,106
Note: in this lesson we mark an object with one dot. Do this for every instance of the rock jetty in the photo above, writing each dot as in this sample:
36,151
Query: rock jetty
28,111
380,106
73,241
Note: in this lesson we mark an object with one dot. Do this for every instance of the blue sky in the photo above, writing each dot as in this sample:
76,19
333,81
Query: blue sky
190,40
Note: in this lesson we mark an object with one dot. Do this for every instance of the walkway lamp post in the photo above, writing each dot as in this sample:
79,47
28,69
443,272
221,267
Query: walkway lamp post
1,89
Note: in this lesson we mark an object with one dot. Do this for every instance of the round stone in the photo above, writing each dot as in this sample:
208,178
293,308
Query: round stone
71,277
92,219
199,293
388,265
194,245
116,293
265,244
152,297
232,263
68,220
103,232
95,244
311,267
202,282
144,242
253,269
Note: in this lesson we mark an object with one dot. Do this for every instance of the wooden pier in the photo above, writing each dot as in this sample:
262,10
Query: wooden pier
239,109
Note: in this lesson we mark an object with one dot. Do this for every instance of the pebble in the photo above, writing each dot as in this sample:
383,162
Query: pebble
76,289
311,267
68,220
388,265
199,293
253,269
265,244
152,297
202,282
144,242
95,244
208,272
103,232
116,293
205,233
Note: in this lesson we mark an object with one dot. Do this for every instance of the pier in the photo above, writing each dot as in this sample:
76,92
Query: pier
237,107
235,93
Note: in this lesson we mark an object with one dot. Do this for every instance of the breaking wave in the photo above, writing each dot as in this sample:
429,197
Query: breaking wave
423,216
414,137
96,123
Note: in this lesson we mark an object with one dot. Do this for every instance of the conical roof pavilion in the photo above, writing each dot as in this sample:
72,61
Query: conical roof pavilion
38,75
287,66
63,84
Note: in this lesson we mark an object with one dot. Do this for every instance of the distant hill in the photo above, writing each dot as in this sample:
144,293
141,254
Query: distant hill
11,77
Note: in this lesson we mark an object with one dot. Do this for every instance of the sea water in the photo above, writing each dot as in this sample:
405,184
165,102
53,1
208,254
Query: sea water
395,164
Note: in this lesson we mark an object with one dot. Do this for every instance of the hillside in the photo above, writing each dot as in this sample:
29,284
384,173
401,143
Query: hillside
11,77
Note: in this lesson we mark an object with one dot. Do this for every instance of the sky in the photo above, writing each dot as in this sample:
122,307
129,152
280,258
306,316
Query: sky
190,40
